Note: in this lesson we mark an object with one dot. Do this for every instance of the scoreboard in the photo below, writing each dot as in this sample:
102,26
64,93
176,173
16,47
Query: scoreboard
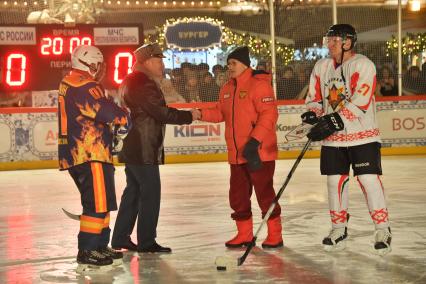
36,57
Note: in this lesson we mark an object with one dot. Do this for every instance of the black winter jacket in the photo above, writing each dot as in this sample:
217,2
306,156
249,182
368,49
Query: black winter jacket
144,143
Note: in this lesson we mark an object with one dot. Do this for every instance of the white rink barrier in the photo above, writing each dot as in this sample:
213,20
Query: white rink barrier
29,135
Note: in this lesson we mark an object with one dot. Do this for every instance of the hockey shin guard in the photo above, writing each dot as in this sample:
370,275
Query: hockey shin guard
373,190
338,199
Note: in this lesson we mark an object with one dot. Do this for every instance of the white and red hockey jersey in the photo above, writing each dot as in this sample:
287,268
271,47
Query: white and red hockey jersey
352,97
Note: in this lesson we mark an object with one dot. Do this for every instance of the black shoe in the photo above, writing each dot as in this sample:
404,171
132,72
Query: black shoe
155,248
129,245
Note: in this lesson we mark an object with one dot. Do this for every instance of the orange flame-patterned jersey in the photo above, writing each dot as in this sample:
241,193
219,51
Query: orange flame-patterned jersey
84,116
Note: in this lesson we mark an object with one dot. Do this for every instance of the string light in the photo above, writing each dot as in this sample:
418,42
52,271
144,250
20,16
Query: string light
411,44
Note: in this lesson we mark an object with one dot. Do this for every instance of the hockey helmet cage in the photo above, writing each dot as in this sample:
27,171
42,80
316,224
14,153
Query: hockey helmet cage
344,31
88,58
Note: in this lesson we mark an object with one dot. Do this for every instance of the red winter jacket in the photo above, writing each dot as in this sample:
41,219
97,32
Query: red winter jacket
247,105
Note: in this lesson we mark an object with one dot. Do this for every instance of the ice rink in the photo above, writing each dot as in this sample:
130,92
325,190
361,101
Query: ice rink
38,243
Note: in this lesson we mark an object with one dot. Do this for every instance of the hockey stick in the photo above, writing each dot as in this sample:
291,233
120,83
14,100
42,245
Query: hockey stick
221,262
71,215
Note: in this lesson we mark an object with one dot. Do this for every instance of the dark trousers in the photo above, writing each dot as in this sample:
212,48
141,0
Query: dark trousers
95,181
241,188
141,199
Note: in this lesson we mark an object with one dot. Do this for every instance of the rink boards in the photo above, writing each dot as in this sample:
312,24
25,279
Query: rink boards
29,135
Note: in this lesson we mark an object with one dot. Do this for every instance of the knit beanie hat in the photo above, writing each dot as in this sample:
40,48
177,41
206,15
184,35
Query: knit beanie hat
241,54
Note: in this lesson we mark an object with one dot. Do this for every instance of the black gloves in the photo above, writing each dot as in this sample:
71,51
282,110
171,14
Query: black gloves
327,125
309,117
251,154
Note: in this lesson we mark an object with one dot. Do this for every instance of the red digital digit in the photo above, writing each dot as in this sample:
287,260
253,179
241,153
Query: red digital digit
16,65
74,42
121,69
86,41
58,45
46,44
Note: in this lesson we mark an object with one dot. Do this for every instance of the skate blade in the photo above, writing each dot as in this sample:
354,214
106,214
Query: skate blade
88,268
382,252
339,247
116,262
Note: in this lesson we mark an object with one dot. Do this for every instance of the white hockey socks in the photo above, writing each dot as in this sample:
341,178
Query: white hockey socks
373,190
338,199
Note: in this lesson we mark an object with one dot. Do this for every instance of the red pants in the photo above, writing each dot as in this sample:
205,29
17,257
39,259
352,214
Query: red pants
241,187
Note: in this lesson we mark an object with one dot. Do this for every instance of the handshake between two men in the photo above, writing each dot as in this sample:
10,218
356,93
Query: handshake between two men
196,114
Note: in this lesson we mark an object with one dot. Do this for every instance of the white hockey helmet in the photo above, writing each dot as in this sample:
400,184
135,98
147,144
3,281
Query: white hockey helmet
88,58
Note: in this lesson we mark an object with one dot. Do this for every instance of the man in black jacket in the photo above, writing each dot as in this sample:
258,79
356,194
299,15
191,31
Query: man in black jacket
143,151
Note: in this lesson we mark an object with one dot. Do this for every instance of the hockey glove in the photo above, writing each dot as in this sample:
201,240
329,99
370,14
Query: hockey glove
251,154
119,133
309,117
327,125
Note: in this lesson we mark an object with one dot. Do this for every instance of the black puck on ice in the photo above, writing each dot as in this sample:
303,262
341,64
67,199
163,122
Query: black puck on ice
221,267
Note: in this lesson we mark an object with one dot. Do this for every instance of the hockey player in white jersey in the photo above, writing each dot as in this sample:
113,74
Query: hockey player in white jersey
341,105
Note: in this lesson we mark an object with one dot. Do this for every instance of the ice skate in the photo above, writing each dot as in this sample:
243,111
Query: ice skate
116,256
382,241
336,240
92,261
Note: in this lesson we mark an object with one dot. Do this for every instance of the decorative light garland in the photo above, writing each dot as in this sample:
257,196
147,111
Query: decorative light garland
259,48
411,44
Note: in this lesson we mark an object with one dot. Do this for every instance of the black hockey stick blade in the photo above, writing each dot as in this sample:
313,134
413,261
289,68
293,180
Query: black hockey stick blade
71,215
246,253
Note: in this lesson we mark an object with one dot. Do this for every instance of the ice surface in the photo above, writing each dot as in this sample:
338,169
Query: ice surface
38,242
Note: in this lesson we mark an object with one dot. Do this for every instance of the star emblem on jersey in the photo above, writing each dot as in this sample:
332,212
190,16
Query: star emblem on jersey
335,96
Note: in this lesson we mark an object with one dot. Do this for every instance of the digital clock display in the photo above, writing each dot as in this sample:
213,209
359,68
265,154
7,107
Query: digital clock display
36,57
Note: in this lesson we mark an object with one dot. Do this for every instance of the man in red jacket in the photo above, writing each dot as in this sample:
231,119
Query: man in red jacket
247,105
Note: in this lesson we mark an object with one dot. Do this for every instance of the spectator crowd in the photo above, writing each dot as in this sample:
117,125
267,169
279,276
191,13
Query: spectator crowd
199,83
194,83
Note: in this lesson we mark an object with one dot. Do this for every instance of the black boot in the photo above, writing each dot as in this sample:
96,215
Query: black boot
128,244
155,248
